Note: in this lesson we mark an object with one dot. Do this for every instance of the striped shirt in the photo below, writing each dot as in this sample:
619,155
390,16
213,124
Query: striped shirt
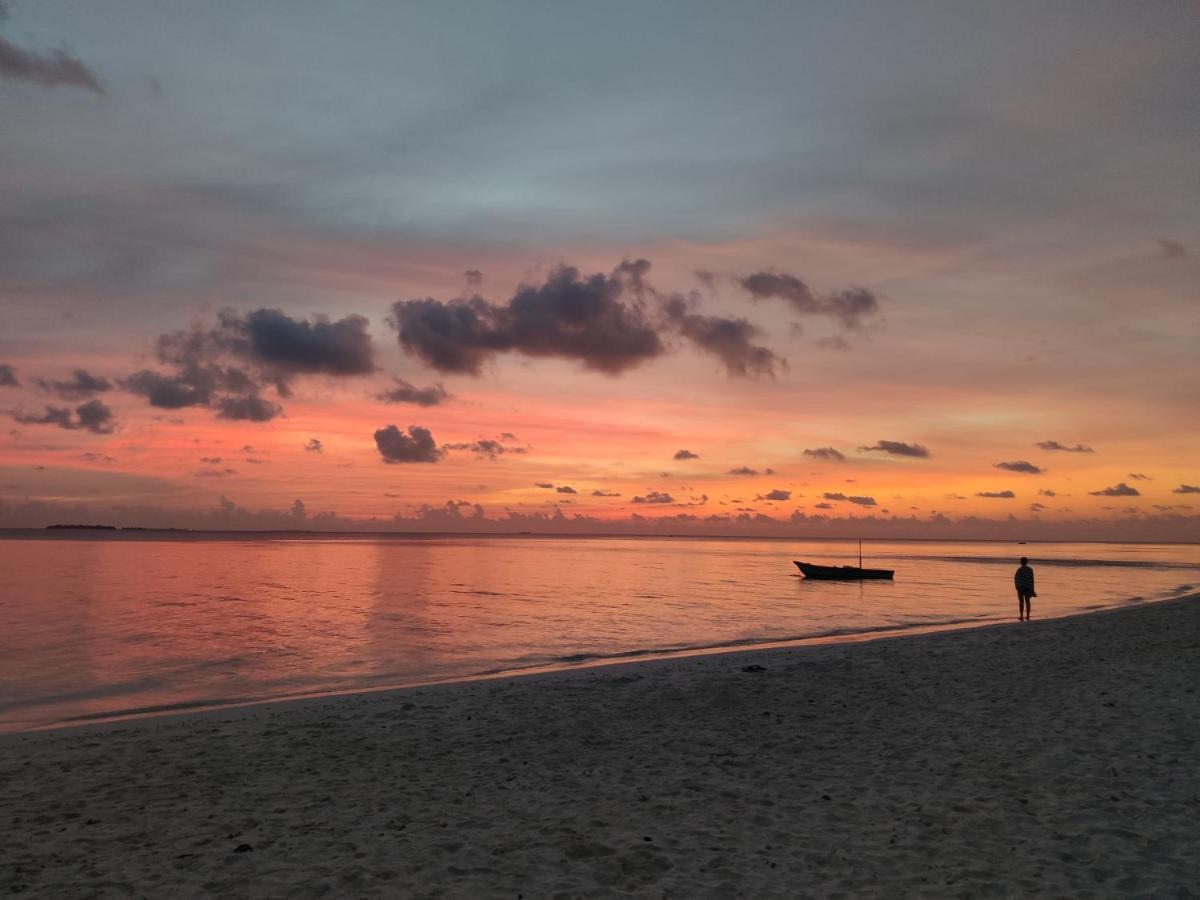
1024,580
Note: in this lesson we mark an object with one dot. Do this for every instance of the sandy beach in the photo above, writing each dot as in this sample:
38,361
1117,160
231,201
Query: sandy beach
1050,758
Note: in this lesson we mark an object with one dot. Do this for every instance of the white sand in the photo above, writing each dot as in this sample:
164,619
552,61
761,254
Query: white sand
1049,758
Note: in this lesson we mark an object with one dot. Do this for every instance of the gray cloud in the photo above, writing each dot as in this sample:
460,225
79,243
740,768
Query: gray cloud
484,447
743,470
730,340
250,408
827,453
8,376
838,496
406,393
600,493
58,68
849,307
1121,489
898,448
654,497
1048,492
314,445
474,278
1169,249
585,319
776,494
270,349
1020,465
1186,489
1055,445
91,416
1139,476
823,505
81,384
545,484
996,495
565,489
1036,507
685,454
418,446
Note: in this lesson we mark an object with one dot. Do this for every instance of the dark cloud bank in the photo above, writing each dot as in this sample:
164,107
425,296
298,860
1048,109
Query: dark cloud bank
227,367
57,68
91,416
609,323
450,517
898,448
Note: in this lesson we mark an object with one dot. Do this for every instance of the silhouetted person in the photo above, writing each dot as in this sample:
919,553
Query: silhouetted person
1025,593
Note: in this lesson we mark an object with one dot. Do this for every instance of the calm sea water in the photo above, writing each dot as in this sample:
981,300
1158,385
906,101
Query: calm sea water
99,628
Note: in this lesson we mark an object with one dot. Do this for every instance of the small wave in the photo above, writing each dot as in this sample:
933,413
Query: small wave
480,593
1076,563
529,662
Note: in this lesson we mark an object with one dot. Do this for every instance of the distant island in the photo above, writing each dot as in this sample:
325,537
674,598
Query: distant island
88,527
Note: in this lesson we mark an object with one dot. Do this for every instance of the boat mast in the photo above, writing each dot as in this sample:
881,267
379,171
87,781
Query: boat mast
860,553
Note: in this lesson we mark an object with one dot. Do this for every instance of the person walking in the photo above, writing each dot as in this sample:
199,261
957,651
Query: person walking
1023,578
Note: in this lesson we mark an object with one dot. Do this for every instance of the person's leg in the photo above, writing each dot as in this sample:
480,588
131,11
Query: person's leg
1028,607
1020,606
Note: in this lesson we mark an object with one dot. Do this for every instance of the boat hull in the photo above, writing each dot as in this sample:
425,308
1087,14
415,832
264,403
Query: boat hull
842,573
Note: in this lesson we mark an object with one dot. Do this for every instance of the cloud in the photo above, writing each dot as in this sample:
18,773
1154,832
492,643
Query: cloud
743,470
1120,489
250,408
58,68
314,445
288,346
655,497
685,454
484,447
1048,492
898,448
210,460
545,484
474,278
1020,465
1138,476
1036,507
91,416
403,392
996,495
565,489
81,384
776,494
585,319
1186,489
1169,249
1055,445
268,348
833,342
418,446
823,506
849,307
838,496
728,339
8,376
827,453
600,493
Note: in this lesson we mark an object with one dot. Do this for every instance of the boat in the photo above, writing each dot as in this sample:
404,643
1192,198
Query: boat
843,573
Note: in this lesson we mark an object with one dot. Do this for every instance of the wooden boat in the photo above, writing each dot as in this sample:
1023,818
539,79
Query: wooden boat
841,573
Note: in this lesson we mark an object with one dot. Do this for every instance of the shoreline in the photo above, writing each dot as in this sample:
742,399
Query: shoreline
634,658
1052,757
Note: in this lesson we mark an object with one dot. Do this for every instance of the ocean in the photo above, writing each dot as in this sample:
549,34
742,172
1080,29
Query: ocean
106,626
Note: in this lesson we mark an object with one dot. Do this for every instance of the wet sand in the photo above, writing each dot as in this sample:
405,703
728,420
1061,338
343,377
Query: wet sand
1051,758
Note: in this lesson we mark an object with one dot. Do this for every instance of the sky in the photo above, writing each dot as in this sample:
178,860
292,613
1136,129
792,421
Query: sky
907,269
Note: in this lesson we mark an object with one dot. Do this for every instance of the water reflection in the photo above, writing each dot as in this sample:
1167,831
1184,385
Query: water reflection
96,627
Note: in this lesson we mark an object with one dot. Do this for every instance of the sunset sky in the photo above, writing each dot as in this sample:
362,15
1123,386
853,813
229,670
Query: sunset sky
660,267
